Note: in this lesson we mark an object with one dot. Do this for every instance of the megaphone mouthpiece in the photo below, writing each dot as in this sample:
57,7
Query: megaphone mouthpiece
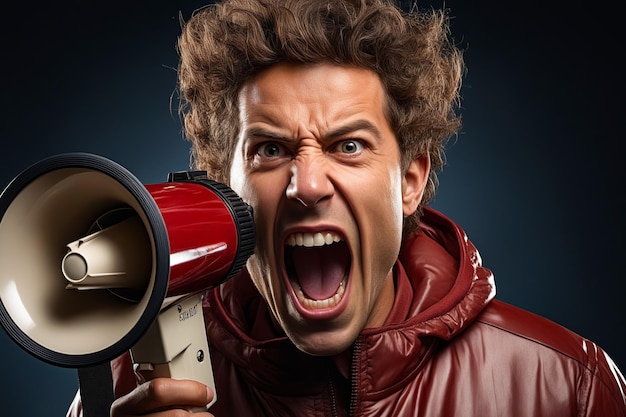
114,257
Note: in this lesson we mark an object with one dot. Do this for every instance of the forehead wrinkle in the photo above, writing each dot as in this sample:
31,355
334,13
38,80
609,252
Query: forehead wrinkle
306,116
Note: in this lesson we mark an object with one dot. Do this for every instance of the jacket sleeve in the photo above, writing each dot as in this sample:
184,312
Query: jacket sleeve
603,391
124,381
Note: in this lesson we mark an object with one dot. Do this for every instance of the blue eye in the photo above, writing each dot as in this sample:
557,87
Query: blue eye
350,146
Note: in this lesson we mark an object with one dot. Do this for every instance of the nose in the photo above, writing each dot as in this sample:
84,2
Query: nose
309,182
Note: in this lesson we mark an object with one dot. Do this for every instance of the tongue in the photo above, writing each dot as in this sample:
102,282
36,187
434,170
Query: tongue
320,269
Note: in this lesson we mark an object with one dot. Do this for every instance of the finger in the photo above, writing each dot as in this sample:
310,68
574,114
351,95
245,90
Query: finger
162,394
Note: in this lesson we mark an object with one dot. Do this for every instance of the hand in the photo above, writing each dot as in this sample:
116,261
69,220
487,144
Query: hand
164,397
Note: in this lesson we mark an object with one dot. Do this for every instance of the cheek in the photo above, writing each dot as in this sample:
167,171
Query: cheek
377,205
261,193
396,208
264,198
258,274
260,267
385,202
376,201
385,221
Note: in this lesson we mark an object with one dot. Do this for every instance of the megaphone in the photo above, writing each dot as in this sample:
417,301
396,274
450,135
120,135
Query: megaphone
93,263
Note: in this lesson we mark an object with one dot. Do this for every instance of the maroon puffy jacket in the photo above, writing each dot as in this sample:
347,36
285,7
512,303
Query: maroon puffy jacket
447,349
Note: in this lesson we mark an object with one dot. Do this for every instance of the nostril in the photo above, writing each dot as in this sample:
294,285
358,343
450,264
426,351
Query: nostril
309,181
307,203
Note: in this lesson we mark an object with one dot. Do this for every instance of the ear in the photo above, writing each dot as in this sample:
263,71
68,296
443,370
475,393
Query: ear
414,183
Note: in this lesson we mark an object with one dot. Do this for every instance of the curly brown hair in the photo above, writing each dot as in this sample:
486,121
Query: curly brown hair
223,45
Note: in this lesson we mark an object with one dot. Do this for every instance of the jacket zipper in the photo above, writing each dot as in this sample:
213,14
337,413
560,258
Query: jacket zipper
355,377
354,382
333,398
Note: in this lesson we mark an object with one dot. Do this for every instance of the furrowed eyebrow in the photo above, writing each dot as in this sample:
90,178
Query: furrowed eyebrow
347,129
262,133
361,124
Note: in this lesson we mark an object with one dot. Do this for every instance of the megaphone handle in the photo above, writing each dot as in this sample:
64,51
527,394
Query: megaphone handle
176,345
96,390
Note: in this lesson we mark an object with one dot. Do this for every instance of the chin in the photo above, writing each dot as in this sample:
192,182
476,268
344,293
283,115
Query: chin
324,343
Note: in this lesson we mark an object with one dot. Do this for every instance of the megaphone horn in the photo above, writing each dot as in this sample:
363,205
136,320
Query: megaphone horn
89,255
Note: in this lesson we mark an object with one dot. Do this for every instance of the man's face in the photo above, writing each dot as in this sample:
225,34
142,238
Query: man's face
318,162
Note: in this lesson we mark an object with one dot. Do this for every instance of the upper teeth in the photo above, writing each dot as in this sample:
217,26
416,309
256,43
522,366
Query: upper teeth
312,239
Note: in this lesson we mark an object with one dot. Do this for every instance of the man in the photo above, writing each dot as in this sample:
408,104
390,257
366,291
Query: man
329,118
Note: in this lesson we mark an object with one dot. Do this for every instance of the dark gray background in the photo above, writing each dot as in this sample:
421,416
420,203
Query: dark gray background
535,177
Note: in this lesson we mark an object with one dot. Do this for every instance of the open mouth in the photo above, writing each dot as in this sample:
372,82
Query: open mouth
318,265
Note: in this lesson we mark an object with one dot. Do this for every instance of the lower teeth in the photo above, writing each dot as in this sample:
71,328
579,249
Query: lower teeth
318,304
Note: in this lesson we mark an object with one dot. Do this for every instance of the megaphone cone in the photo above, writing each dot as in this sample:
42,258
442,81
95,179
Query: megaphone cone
89,255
